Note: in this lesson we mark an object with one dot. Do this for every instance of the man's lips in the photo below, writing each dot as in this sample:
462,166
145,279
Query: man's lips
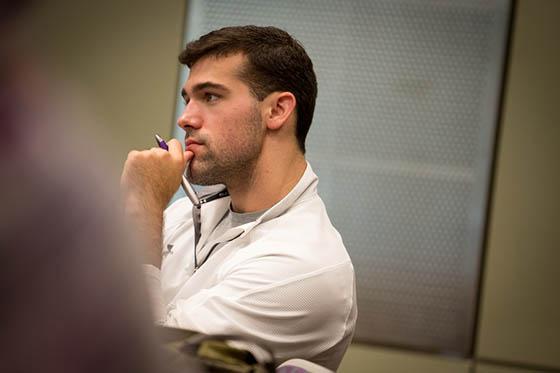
191,144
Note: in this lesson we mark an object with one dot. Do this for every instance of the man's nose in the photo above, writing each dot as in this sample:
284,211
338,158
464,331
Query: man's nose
189,117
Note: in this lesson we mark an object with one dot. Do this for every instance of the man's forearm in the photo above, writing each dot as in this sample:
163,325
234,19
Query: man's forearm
147,219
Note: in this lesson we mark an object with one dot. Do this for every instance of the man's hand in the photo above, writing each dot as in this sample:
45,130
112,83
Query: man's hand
153,176
149,180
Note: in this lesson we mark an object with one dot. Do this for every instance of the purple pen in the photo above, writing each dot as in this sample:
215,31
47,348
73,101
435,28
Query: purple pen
187,187
161,142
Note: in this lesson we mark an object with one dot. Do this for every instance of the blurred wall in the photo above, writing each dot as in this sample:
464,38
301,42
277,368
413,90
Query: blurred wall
121,58
519,320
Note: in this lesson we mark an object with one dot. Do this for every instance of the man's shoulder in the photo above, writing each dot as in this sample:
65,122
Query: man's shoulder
304,232
308,215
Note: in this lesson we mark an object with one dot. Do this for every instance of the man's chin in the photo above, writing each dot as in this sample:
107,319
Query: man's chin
199,176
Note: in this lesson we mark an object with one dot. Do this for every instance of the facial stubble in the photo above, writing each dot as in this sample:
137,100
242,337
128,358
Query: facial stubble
235,159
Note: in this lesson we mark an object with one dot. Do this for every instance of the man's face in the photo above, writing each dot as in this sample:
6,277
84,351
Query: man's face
222,120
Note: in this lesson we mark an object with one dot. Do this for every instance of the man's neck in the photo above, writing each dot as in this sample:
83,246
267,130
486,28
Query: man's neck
273,177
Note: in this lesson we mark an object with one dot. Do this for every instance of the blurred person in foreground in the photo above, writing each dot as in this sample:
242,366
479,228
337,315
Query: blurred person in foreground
70,300
268,263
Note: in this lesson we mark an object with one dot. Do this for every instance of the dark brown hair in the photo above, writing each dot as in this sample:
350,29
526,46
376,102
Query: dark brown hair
276,62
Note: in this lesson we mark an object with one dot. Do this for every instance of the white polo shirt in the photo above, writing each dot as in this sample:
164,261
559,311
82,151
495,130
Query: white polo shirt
284,279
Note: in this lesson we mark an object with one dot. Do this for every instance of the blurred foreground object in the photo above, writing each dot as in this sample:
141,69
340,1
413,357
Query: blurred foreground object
71,298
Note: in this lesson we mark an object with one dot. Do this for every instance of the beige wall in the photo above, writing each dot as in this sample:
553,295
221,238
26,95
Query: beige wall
520,319
122,58
490,368
365,359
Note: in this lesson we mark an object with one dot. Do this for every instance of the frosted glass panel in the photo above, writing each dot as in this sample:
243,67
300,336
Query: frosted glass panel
402,142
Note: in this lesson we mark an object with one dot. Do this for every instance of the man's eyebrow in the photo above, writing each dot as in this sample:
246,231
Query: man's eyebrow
205,85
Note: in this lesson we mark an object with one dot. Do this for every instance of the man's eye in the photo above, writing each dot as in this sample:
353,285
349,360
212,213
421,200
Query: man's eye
210,97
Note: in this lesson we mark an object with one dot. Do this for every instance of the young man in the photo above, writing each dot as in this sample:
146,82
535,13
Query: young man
267,263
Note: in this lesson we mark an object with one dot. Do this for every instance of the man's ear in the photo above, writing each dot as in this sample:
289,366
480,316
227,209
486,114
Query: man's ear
279,107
